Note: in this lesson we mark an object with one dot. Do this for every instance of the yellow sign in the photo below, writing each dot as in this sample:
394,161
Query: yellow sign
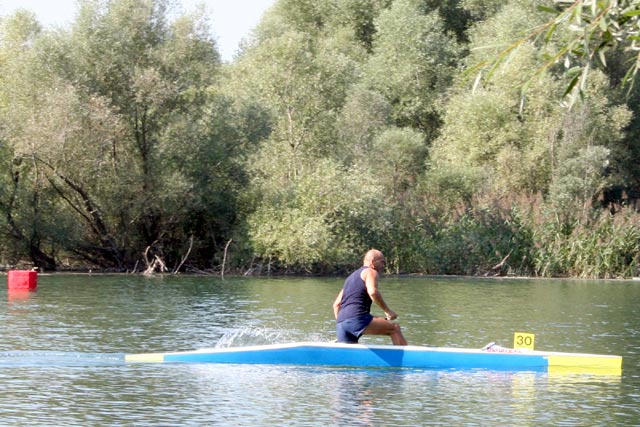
523,340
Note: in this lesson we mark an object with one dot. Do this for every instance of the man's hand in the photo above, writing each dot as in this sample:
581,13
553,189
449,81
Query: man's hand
390,315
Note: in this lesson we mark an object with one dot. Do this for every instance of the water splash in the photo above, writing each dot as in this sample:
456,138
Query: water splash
261,336
251,336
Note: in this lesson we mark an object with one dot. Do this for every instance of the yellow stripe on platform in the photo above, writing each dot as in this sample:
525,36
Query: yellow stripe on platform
595,364
145,358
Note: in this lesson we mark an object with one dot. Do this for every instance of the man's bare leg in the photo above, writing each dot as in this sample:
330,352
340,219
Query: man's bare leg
380,326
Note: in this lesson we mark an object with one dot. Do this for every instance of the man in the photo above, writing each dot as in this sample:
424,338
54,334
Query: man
352,307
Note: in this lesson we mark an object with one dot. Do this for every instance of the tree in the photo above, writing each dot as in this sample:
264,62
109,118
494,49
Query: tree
480,10
126,131
592,30
583,163
498,143
360,16
364,115
304,189
397,157
322,221
25,201
412,65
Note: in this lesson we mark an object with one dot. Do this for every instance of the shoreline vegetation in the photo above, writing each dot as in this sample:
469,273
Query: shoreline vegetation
461,138
239,274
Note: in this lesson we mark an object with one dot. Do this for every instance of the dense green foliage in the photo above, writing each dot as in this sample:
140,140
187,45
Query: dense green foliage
342,125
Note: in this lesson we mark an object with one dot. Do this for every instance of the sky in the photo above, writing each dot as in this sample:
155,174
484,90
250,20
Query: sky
231,20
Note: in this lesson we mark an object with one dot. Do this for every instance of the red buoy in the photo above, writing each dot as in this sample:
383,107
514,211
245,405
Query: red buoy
22,280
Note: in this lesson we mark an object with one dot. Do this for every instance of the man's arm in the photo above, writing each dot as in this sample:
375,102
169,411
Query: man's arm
336,304
371,281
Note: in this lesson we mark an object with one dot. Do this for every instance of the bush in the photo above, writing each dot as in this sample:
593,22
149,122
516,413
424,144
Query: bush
607,246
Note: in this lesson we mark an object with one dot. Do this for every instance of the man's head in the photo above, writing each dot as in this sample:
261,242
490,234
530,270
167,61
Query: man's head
374,259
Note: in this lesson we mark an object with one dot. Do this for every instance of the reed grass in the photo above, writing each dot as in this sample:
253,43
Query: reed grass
527,238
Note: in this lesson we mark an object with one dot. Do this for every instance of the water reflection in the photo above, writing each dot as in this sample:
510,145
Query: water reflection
14,295
359,394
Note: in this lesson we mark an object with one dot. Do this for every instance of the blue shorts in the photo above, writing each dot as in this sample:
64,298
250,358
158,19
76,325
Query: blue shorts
350,330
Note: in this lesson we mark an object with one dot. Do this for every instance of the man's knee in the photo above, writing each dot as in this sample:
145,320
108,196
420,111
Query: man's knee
392,328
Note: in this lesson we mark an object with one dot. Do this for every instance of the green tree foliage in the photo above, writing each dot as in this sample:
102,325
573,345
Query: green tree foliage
508,144
304,81
412,64
583,149
26,201
359,17
499,143
487,143
397,157
590,31
479,10
340,126
323,218
119,118
364,115
153,74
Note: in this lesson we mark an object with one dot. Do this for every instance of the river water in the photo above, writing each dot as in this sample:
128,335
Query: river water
62,349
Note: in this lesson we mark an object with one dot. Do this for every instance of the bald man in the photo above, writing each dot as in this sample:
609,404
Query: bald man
352,307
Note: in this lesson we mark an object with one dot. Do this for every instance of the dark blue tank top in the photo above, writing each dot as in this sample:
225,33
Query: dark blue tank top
356,301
